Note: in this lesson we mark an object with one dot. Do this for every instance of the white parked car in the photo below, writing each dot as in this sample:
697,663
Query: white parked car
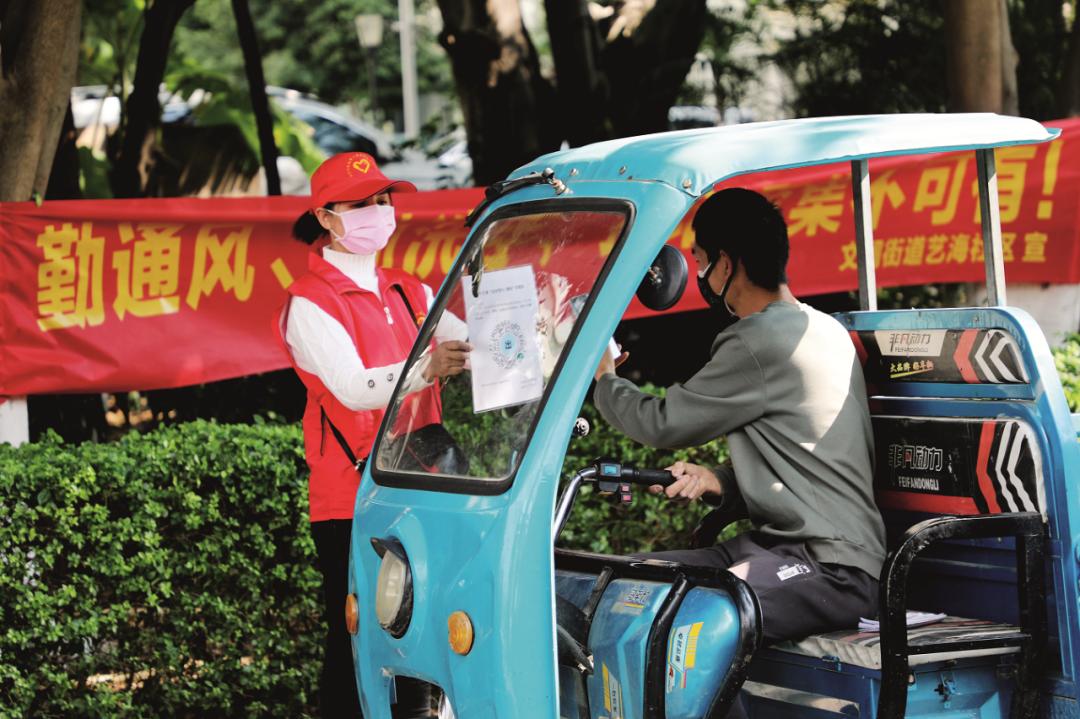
97,112
338,131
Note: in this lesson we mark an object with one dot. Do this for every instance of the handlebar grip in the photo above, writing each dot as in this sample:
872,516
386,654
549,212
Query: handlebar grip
654,476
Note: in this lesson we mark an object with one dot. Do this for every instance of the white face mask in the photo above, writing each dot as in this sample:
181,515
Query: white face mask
366,229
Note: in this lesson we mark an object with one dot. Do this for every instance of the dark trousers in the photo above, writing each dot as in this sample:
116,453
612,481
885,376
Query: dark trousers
337,683
798,595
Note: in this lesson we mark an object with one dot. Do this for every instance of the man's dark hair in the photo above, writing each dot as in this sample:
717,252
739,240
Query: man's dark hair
748,227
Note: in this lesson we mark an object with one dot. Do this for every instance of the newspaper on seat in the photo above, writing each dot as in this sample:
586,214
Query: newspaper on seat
914,619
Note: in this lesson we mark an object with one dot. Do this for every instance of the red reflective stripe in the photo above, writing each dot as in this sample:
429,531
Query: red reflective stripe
860,349
961,356
986,441
934,503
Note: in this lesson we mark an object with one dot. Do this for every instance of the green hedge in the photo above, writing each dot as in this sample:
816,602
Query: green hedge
172,573
166,575
1067,359
601,525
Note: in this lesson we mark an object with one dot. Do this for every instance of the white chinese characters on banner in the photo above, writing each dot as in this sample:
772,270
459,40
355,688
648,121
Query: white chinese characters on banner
502,320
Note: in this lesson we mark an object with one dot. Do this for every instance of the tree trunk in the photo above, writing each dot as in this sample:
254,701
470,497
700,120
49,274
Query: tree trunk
651,47
260,105
980,57
620,71
581,89
143,112
1069,92
1010,58
39,46
506,102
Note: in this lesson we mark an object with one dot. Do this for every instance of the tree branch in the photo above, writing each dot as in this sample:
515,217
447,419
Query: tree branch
260,105
142,111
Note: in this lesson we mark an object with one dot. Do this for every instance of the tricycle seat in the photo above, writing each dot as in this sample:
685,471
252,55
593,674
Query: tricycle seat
863,649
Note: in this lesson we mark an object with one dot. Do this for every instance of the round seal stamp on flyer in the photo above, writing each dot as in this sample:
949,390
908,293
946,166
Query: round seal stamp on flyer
507,344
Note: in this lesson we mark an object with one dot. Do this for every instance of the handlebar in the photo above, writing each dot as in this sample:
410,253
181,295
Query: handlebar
649,476
609,471
605,471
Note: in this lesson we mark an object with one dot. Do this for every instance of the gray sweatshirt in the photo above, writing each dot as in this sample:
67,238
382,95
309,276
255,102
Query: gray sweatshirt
787,389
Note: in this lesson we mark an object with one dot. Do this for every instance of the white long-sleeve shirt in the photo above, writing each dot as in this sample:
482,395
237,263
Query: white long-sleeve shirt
321,345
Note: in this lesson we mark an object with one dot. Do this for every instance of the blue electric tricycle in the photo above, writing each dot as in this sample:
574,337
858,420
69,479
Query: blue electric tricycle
454,576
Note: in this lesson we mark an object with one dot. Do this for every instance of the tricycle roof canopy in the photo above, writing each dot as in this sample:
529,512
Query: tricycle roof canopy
694,160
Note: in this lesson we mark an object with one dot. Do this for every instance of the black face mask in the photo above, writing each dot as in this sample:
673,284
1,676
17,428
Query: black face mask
716,302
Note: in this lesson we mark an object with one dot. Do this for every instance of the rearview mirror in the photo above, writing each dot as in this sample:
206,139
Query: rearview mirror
665,281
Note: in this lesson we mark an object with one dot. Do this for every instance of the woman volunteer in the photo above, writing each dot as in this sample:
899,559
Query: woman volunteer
348,327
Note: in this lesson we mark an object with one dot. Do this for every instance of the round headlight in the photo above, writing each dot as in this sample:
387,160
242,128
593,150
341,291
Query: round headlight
393,589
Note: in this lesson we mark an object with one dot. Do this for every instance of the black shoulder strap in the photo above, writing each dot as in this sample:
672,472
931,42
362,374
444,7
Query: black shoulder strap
357,463
408,305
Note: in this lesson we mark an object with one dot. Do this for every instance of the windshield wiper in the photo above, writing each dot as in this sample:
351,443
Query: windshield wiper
504,187
493,192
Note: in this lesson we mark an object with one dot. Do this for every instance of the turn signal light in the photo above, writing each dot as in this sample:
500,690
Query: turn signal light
461,632
352,614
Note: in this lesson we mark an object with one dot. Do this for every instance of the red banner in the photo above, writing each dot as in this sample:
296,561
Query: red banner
122,294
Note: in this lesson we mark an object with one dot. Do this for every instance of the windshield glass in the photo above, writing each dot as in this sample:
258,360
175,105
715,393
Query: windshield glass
515,299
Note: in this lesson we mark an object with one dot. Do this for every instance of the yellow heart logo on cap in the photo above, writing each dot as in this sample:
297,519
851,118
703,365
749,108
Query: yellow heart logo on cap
361,165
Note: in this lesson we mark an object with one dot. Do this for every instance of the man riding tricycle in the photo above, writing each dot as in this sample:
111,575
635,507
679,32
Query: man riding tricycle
870,492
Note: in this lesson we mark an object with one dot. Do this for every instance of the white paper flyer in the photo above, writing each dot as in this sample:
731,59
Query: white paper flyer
502,328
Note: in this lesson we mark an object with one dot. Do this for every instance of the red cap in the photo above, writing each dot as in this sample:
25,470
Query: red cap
351,176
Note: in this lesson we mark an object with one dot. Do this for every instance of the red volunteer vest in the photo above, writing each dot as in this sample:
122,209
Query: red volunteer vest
383,331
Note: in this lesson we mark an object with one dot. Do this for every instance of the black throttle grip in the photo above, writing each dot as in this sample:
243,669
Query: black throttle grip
652,476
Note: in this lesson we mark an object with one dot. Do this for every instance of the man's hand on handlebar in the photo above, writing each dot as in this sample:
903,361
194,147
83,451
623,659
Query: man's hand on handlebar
447,360
691,481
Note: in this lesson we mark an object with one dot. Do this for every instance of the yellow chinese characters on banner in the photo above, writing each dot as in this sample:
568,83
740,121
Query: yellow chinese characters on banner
821,206
939,189
885,191
69,291
221,258
946,196
427,253
147,270
1012,169
958,248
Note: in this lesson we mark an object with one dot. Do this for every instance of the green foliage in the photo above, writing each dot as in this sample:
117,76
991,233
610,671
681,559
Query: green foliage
871,56
922,296
726,26
94,174
1067,360
600,524
313,47
169,574
864,56
1040,38
110,42
229,103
